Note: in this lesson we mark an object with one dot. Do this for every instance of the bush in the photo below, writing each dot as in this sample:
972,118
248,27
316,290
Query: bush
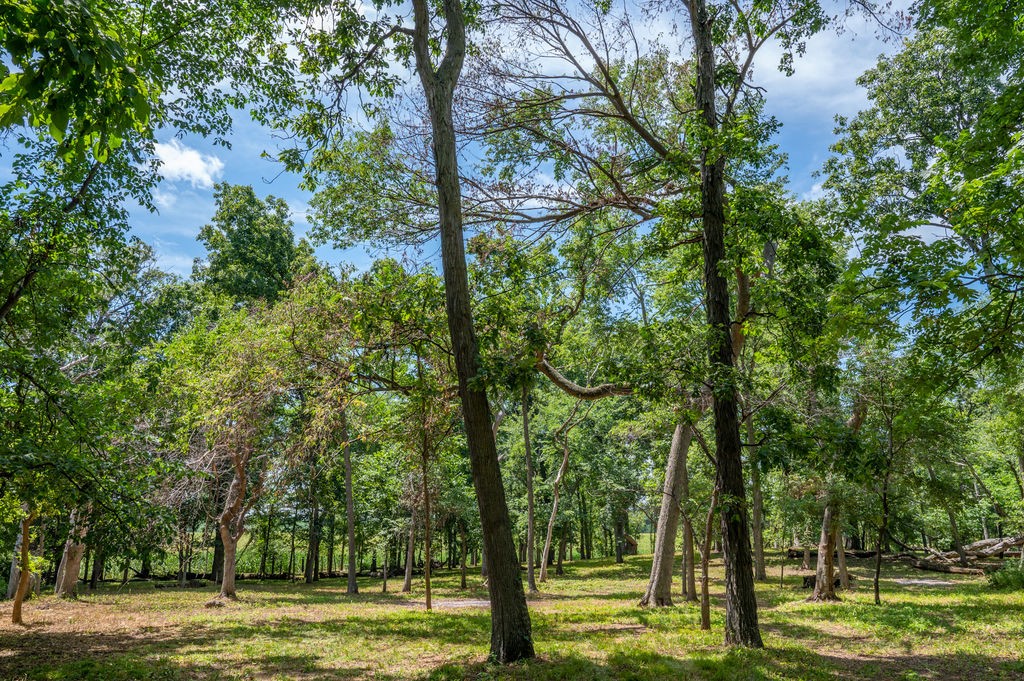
1009,576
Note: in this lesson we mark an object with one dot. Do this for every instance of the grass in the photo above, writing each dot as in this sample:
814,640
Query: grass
586,626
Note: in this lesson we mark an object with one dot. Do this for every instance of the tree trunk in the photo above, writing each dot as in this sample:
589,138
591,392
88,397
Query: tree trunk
350,508
824,581
555,492
25,570
410,555
531,540
227,584
511,637
462,556
659,586
705,559
689,561
882,530
740,602
71,563
424,457
97,570
314,538
561,554
757,503
844,576
232,525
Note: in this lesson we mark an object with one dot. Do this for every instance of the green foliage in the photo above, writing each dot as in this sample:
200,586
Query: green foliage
1008,577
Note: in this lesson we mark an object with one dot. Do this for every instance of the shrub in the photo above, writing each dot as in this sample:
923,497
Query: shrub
1009,576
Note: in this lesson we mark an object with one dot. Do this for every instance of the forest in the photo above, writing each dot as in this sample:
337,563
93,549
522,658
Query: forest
610,398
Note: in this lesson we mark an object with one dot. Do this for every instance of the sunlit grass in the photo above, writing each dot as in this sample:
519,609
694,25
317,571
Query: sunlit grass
586,625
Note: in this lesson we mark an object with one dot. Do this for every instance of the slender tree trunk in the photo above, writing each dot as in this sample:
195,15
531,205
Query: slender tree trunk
824,580
314,532
350,507
25,574
705,559
555,492
882,530
757,504
659,586
689,559
424,458
511,637
741,626
462,556
531,540
410,555
561,554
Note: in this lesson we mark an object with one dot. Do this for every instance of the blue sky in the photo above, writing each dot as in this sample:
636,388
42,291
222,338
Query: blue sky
806,104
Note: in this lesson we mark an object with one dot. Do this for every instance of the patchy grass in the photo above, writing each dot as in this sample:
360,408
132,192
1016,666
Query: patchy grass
586,626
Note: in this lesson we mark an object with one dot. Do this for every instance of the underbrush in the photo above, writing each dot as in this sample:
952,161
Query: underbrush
1009,577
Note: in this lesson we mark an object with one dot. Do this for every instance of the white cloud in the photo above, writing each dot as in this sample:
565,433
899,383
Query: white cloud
179,162
815,192
164,200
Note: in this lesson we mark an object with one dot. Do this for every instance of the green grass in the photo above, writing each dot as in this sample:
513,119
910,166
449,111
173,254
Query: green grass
586,626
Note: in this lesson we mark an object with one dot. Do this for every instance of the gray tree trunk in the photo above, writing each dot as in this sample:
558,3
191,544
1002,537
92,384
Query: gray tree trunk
659,586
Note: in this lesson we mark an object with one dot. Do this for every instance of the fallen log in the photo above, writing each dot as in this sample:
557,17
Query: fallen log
933,566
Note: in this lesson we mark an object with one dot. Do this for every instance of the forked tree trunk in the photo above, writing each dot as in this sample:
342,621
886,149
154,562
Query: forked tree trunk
232,525
741,626
511,637
659,586
531,540
71,563
824,579
350,510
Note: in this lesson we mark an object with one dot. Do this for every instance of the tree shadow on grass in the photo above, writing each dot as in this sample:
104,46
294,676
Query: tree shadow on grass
736,664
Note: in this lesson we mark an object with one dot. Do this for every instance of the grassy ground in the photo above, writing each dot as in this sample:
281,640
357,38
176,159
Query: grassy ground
586,626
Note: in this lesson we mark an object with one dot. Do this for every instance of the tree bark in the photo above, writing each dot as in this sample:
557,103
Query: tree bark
531,540
25,575
71,563
741,626
511,637
232,525
824,582
844,576
350,509
659,586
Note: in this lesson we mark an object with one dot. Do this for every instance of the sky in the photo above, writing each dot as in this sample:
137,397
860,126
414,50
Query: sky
805,103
